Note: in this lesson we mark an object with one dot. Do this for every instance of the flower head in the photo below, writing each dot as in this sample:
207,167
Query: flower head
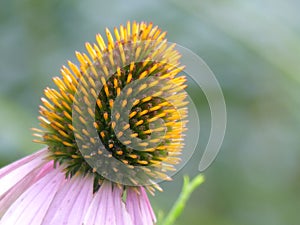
113,125
124,102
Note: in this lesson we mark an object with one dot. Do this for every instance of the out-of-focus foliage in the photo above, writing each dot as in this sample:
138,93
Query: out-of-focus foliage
253,47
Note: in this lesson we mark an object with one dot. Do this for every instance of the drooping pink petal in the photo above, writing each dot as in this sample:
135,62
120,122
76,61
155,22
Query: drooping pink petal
36,193
13,173
106,212
107,207
60,210
19,188
138,206
132,206
146,208
90,216
121,212
60,205
101,211
7,169
31,206
82,202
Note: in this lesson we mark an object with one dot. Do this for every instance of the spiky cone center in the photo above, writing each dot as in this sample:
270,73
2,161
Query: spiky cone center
121,114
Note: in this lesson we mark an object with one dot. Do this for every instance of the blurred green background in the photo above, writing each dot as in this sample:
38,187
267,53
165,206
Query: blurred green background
253,47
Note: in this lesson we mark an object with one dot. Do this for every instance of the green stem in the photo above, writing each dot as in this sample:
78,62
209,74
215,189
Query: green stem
187,189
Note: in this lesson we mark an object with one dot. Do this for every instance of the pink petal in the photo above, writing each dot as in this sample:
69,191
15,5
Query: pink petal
32,192
13,173
13,194
83,201
100,207
90,216
20,162
31,206
139,207
65,201
58,209
132,206
106,213
146,209
122,216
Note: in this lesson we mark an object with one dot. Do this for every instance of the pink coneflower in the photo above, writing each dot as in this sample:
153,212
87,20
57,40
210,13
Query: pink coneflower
97,164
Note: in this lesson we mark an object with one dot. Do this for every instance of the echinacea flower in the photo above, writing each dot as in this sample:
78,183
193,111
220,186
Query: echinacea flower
113,129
